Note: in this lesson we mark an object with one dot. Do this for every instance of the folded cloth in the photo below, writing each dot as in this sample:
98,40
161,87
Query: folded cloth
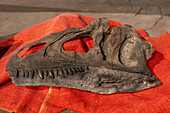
45,99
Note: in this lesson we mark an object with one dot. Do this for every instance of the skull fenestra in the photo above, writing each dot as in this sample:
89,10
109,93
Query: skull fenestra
116,63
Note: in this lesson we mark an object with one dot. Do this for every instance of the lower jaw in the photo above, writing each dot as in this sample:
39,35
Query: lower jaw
93,79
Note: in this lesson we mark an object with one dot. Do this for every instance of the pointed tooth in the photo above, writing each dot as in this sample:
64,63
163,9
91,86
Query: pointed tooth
80,69
65,71
31,74
74,69
70,71
26,73
60,72
40,73
45,72
22,74
55,70
51,74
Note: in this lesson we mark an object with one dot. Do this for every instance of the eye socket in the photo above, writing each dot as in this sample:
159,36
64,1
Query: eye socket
30,50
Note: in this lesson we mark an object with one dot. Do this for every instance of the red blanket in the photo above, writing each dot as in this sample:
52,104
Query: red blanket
46,99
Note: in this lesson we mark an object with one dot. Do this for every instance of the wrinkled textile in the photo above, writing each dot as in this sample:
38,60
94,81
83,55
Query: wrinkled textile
46,99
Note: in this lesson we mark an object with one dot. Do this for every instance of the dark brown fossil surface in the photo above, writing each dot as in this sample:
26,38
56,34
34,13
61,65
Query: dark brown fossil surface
116,63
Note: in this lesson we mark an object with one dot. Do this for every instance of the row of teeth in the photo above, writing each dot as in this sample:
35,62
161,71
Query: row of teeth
60,71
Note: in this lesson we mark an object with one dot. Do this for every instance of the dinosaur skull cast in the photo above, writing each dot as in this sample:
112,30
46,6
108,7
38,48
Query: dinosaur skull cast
116,63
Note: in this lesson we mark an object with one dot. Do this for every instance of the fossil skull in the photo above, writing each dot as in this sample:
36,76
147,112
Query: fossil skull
116,63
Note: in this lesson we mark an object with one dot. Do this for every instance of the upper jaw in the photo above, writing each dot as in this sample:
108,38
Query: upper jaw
42,62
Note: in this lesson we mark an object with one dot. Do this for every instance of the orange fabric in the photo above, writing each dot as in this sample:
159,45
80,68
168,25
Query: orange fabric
46,99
